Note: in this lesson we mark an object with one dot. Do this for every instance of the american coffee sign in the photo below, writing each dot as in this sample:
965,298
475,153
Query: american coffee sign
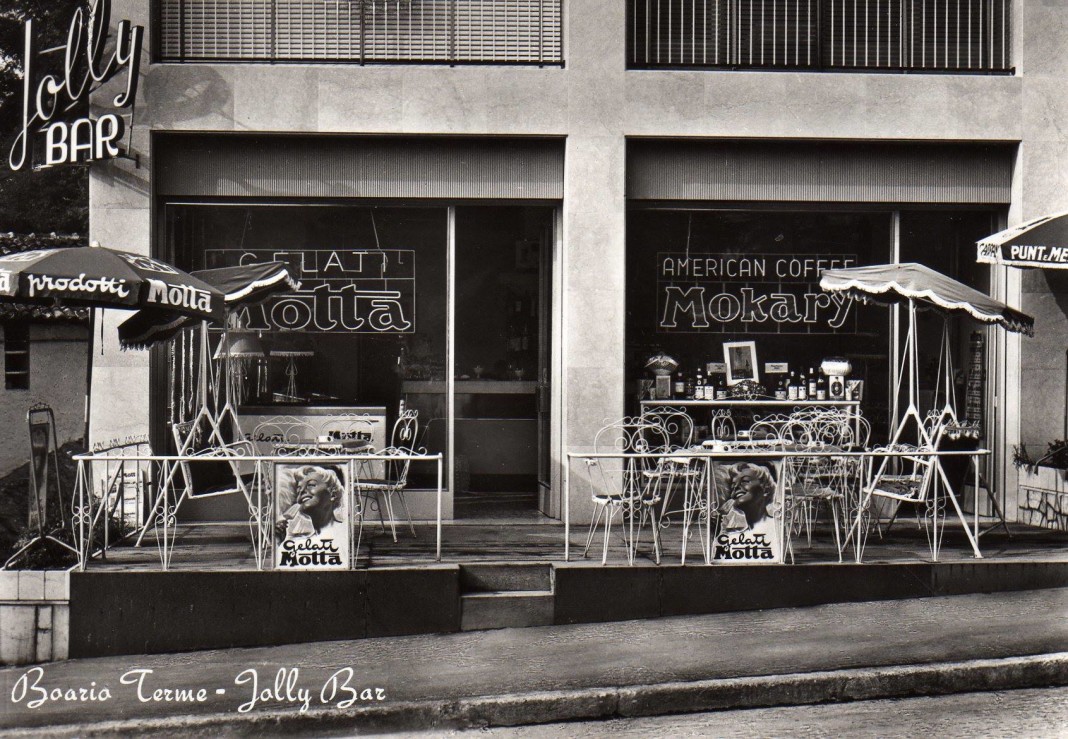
750,293
56,127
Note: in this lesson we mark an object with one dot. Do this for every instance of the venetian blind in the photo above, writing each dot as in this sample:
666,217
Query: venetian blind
480,31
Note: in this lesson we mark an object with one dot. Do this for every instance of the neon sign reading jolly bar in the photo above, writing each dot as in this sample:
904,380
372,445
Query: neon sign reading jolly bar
755,293
87,64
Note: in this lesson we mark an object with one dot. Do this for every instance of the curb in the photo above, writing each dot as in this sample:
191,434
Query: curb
855,684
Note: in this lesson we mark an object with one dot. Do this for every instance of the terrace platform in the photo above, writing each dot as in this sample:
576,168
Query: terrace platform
495,575
201,547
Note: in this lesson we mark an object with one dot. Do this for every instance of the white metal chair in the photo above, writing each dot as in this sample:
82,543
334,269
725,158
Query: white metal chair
621,485
678,469
380,492
820,480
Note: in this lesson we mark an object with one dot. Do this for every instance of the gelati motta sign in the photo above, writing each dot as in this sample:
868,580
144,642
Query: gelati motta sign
341,290
750,293
56,125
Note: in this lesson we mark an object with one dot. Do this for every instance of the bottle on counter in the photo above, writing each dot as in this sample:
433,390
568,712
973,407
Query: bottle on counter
821,387
690,389
813,380
699,386
781,390
791,387
679,390
802,386
721,388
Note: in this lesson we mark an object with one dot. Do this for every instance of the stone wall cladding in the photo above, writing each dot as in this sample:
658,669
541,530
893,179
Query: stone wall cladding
34,616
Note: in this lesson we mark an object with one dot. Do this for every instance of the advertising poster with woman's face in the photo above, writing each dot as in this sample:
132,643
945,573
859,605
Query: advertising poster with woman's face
751,513
311,522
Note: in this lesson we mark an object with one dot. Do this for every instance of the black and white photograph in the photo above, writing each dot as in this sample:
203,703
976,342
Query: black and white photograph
535,368
312,524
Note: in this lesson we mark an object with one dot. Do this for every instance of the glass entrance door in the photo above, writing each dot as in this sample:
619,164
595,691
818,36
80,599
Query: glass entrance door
502,347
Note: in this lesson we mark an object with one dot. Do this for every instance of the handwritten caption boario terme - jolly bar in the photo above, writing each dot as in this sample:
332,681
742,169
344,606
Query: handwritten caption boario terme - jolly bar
284,689
764,293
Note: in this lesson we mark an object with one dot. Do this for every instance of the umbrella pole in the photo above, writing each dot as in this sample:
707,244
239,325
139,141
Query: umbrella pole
89,375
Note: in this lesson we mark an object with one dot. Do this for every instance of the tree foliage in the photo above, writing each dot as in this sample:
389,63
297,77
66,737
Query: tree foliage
49,199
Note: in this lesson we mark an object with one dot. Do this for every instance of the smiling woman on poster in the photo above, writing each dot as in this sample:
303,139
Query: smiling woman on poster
752,526
312,530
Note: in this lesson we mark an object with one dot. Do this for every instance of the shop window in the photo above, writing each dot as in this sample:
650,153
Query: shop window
366,327
698,279
946,242
16,355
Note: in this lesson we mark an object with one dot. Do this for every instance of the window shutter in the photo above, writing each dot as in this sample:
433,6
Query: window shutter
477,31
942,35
776,33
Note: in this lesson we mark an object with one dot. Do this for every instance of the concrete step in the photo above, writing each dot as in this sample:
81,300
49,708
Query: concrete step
506,609
493,577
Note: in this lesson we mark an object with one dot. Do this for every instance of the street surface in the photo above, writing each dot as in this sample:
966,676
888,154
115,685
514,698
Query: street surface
1042,714
439,670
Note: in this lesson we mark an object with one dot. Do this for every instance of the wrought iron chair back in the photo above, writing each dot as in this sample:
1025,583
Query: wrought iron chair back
676,423
627,485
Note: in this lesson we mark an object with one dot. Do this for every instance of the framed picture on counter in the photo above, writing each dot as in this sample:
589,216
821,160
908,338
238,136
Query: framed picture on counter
741,360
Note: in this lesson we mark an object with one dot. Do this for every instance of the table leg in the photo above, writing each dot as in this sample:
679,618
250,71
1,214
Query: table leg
567,509
438,554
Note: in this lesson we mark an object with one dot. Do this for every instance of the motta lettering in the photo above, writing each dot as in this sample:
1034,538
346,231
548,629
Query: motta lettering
88,63
342,290
740,546
183,296
48,285
326,308
5,282
308,553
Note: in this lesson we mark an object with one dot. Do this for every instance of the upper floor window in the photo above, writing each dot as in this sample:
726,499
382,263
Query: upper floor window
361,31
954,36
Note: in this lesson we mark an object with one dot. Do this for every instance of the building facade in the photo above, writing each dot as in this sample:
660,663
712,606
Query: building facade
525,170
45,350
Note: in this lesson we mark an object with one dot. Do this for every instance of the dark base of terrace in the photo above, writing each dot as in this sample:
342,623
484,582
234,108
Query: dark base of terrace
115,611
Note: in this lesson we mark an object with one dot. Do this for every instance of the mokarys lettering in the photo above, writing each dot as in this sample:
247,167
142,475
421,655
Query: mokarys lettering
88,63
179,296
753,292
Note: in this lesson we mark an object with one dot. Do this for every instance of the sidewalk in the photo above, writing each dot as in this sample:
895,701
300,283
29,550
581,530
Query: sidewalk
554,673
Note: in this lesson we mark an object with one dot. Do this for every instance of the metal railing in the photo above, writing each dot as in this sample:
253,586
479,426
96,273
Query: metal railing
949,36
361,31
162,482
712,456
